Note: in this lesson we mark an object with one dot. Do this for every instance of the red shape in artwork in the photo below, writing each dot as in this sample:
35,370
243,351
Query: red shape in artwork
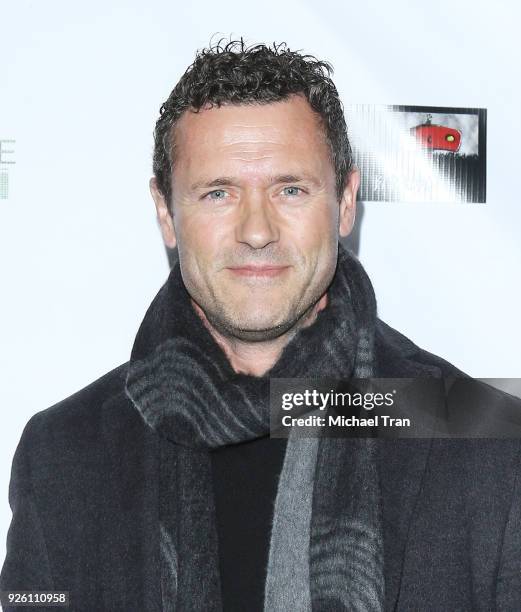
439,137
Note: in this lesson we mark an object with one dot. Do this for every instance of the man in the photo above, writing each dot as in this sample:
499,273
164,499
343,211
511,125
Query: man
158,487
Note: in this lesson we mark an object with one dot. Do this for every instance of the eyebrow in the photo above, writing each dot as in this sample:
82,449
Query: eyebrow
223,181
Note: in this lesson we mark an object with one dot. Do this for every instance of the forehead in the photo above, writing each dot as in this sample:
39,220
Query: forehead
251,133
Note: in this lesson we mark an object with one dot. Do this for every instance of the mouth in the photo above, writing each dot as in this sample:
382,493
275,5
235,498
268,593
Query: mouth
262,271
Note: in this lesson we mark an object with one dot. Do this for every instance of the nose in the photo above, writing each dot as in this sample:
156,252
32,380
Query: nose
257,226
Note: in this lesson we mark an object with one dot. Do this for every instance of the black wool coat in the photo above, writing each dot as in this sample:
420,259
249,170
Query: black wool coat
84,495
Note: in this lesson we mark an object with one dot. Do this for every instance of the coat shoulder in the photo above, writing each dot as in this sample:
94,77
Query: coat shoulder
398,356
79,424
85,404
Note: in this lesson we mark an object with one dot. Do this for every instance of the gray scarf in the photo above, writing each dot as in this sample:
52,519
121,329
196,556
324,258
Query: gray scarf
326,546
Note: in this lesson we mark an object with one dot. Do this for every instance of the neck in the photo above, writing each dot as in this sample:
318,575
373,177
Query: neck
256,358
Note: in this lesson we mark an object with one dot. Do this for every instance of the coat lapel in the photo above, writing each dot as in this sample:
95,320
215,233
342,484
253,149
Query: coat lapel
130,524
401,463
402,466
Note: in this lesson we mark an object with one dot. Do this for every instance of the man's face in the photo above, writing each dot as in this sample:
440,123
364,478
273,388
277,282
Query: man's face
256,217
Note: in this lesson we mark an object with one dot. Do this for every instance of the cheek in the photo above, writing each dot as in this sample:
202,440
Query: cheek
197,235
200,245
315,231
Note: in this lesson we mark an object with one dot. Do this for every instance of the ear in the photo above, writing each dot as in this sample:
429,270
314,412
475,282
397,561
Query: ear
348,203
166,221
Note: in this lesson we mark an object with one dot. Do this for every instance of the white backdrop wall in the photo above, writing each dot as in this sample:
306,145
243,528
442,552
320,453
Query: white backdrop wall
80,253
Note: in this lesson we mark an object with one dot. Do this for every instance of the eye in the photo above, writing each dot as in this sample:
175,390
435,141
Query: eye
291,191
216,194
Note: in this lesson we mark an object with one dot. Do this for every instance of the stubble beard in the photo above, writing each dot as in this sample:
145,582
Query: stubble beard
230,328
229,324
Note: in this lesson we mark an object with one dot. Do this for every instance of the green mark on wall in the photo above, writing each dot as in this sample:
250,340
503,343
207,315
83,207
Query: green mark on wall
6,160
4,185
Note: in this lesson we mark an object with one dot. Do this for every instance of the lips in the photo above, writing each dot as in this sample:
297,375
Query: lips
258,270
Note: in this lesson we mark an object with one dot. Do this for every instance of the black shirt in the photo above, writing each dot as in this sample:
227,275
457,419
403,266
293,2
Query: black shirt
245,480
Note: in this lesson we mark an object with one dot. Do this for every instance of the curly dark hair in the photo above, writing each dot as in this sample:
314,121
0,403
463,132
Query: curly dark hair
236,74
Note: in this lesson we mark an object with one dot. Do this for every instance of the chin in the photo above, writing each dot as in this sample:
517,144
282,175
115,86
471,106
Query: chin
257,314
258,335
261,323
252,329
